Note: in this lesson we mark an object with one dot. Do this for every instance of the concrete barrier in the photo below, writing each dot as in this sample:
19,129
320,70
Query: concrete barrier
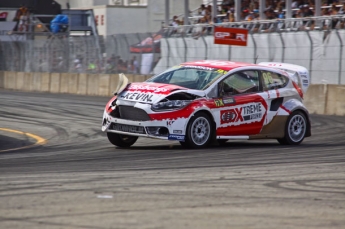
82,84
315,99
45,82
335,100
319,99
2,79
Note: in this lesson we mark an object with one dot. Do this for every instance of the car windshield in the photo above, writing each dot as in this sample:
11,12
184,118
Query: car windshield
192,77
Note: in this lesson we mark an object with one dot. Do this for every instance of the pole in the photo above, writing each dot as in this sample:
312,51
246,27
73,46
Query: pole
186,12
167,17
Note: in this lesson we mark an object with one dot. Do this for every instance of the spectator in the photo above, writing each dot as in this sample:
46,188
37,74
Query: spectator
78,68
342,9
135,65
109,67
59,23
202,10
231,15
270,14
24,20
306,11
91,68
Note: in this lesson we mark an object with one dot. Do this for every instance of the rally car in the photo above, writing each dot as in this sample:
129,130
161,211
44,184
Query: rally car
202,102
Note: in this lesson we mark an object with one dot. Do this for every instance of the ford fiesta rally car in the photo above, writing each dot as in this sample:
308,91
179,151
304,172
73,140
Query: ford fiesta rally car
200,102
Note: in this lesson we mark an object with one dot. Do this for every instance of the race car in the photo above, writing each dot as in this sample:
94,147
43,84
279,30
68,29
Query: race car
210,101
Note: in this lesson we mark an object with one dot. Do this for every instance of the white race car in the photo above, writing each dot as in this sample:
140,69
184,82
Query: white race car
200,102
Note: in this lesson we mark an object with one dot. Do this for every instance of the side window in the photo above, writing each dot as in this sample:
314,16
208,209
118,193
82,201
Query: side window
272,80
240,83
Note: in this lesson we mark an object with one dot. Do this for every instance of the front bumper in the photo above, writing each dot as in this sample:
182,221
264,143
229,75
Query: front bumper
158,129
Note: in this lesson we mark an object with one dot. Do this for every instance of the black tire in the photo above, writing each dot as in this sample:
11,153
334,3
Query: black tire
222,141
199,131
295,129
120,140
184,144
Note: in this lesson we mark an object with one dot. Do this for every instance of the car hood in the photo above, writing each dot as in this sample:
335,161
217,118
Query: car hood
148,92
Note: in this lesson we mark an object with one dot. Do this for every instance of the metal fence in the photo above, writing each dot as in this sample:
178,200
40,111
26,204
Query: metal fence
269,41
79,53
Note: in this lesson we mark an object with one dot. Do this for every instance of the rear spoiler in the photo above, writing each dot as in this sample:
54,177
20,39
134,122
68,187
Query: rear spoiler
297,73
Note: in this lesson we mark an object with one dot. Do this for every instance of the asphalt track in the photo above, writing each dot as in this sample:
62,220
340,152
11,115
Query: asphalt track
60,171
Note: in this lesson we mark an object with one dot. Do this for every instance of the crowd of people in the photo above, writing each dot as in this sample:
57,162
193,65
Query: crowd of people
274,14
276,9
114,64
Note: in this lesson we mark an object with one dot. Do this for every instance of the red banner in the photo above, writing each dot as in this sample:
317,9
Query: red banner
230,36
3,16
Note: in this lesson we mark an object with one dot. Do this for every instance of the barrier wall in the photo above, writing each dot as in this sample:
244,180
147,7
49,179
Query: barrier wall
325,99
72,83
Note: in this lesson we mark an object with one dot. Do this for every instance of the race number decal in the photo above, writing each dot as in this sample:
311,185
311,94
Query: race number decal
267,78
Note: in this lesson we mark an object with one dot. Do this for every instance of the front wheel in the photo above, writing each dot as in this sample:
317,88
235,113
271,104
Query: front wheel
295,129
121,140
199,131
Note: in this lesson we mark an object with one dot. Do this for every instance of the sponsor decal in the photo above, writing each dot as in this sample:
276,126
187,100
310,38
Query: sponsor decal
219,102
147,88
232,115
176,137
142,97
177,131
228,100
230,36
198,67
247,113
169,123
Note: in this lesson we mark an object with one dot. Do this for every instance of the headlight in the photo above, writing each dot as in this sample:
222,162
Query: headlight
170,105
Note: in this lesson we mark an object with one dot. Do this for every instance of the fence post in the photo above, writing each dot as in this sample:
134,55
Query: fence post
311,54
255,48
283,43
340,56
168,54
185,47
206,48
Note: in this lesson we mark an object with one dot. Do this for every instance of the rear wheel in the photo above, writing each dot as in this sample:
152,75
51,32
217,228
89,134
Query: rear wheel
295,129
121,140
199,131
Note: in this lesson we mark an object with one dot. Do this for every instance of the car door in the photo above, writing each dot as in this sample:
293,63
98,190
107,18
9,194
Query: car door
274,92
240,110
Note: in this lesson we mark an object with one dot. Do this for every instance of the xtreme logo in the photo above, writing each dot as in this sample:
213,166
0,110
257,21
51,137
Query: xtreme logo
232,115
245,113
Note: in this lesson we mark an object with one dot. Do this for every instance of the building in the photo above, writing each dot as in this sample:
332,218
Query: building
129,16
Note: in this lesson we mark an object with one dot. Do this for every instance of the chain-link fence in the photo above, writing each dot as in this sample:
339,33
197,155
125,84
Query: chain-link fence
128,53
316,43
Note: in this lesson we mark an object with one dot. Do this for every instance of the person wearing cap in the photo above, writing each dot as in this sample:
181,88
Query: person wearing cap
270,14
244,14
307,12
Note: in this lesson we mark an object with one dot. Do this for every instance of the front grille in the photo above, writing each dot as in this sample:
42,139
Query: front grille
132,113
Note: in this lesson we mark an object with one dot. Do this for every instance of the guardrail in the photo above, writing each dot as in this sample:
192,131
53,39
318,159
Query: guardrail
320,99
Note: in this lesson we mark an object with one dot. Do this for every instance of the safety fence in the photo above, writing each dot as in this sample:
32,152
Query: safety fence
80,54
316,43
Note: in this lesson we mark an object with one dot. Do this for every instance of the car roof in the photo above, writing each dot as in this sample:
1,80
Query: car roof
221,64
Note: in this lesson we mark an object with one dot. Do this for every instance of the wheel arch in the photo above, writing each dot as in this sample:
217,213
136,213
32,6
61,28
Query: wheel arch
306,114
296,105
209,114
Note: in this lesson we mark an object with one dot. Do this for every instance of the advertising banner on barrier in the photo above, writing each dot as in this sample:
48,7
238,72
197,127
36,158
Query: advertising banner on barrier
230,36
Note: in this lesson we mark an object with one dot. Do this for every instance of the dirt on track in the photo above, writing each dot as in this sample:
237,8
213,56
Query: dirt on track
79,180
